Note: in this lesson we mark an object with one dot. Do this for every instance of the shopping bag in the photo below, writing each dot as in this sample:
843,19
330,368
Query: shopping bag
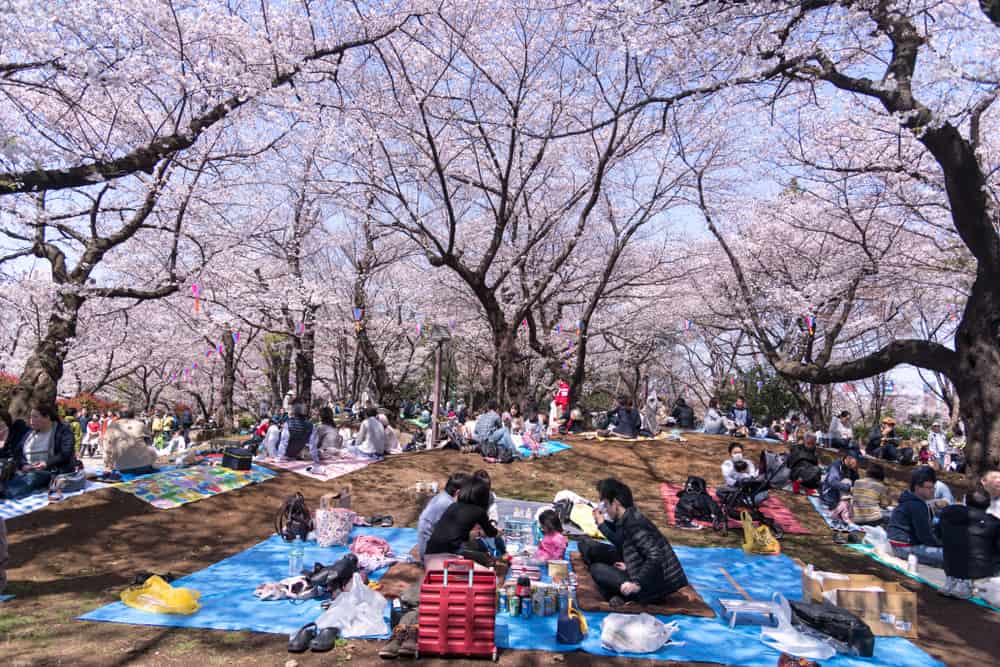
333,524
758,540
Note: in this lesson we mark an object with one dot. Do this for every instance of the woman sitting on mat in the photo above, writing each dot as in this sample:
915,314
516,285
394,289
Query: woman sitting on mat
463,521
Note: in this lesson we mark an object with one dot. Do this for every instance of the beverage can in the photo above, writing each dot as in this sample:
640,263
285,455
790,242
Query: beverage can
538,601
563,594
550,602
501,600
526,606
514,605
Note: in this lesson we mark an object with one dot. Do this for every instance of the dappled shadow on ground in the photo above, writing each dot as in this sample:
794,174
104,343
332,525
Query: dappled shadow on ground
75,556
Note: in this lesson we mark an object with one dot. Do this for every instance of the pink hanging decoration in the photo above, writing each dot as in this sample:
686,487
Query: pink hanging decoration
236,337
196,293
219,348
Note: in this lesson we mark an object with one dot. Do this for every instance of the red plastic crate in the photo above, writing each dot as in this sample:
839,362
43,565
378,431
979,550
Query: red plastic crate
458,606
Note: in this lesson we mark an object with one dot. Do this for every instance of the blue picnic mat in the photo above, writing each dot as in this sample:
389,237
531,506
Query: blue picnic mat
547,448
825,513
36,501
227,599
4,598
708,639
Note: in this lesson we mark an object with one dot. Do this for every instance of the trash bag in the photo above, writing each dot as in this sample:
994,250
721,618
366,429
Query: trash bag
631,633
358,612
159,597
785,638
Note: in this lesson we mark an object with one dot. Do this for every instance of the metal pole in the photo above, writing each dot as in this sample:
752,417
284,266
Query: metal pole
431,441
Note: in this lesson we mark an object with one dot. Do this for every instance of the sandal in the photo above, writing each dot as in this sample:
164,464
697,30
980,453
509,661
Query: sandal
324,640
300,641
381,521
298,588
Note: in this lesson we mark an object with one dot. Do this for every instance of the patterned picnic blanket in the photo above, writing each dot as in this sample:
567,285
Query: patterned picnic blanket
173,488
12,508
325,470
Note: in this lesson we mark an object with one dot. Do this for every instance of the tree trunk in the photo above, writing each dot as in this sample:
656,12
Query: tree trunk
305,364
510,385
39,381
977,378
228,378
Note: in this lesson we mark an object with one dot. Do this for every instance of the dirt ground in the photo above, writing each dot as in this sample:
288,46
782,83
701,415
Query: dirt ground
75,556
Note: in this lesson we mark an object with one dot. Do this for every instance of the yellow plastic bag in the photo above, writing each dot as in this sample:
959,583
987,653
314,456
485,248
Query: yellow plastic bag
159,597
758,540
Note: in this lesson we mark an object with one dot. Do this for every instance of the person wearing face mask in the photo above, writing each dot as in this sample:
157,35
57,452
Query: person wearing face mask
736,469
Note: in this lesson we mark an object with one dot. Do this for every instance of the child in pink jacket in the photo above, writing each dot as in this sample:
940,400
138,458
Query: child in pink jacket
553,544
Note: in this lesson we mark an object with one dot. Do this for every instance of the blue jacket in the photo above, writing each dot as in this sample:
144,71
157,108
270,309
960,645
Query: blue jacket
838,480
910,522
744,411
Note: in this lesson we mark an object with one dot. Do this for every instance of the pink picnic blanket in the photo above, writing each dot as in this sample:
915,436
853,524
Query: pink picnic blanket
324,471
772,507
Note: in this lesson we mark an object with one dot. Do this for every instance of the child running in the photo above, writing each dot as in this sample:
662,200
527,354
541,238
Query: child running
554,543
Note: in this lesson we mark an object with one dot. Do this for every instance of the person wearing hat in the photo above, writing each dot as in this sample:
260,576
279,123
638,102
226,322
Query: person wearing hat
937,443
883,442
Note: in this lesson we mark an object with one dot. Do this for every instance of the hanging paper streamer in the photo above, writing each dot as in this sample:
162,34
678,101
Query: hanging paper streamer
579,328
890,386
848,388
732,382
418,329
194,366
524,322
358,312
688,324
196,293
810,325
451,324
952,312
208,353
300,328
558,328
219,349
760,385
236,338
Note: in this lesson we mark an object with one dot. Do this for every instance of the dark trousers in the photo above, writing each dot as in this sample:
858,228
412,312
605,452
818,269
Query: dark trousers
475,551
601,559
26,484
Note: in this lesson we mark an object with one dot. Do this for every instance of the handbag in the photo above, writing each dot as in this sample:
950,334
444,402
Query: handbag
333,524
237,458
67,483
759,539
572,626
293,519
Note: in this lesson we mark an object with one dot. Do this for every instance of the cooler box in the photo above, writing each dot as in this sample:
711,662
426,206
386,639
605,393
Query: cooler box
458,606
237,458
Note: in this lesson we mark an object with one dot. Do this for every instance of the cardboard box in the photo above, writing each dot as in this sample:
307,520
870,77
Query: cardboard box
888,608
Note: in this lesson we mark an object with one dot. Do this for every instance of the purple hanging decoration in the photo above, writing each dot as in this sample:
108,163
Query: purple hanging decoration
358,312
236,337
219,349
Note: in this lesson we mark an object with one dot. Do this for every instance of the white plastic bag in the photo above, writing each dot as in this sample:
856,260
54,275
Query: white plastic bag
629,633
358,612
786,639
875,536
989,590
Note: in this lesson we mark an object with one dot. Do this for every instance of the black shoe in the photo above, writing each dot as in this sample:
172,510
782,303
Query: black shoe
325,640
616,601
686,524
299,642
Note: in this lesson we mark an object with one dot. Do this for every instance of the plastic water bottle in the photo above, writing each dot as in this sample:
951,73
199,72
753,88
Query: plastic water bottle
296,554
911,563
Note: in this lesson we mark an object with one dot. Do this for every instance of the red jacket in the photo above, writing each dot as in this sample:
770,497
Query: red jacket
562,395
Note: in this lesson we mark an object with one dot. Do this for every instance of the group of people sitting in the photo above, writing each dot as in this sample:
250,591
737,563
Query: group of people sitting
296,437
636,564
925,523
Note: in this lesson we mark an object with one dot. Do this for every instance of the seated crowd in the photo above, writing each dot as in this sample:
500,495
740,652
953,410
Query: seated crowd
637,562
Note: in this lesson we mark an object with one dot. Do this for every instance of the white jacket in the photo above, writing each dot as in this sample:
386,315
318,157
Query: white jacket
937,443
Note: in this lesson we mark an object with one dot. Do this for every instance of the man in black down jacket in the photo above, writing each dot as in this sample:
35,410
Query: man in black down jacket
47,449
625,419
640,564
683,414
971,540
803,464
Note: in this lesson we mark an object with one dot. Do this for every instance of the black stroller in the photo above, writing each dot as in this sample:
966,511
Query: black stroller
734,500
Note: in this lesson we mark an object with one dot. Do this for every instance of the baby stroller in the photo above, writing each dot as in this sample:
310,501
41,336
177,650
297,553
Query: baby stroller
734,500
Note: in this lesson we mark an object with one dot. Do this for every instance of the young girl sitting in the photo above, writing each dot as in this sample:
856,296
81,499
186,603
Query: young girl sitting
535,434
553,544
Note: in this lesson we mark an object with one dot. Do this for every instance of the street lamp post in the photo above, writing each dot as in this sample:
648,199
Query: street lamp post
439,335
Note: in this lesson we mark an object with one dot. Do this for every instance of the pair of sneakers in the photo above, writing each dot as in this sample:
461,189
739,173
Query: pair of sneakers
957,588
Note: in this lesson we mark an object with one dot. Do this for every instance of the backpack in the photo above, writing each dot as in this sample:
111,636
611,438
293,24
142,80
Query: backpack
694,502
843,626
492,450
905,456
293,519
774,468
